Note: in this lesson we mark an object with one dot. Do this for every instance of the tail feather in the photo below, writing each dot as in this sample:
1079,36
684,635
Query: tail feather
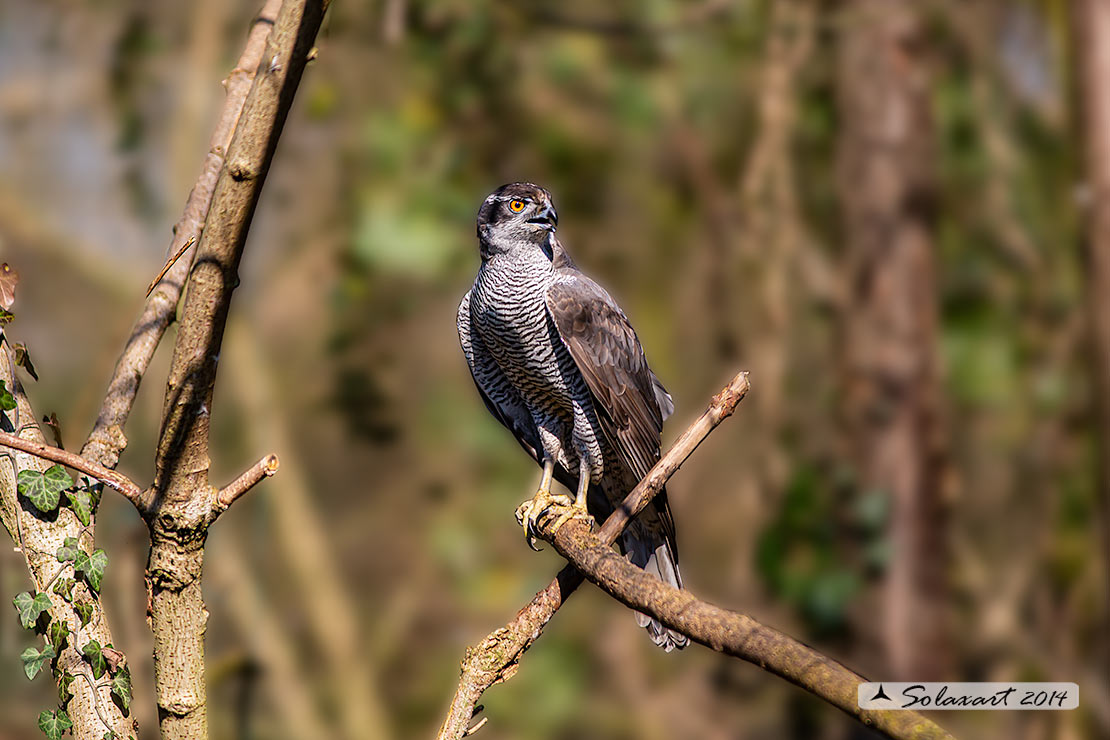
656,560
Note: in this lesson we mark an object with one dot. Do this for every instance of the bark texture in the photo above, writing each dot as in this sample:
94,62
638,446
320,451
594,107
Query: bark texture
183,504
891,371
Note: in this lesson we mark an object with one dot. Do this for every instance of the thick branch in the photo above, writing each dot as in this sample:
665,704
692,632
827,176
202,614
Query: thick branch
110,478
495,658
182,460
250,477
183,502
731,633
106,441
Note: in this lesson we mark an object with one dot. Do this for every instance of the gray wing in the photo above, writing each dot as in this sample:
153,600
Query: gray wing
566,268
500,397
631,401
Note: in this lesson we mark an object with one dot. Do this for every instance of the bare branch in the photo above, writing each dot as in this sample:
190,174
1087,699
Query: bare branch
106,441
110,478
251,477
495,658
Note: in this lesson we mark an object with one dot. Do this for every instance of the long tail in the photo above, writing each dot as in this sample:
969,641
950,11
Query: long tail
654,557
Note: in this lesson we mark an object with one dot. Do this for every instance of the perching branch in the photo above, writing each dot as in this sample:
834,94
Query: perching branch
731,633
495,658
110,478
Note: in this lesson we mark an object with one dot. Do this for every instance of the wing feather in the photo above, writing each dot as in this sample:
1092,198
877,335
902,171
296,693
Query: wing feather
630,400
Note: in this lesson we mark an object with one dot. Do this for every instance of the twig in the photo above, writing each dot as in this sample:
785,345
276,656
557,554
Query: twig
250,477
170,263
495,658
481,723
110,478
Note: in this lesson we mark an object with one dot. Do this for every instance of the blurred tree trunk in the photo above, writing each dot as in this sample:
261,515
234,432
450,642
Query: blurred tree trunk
890,360
1092,56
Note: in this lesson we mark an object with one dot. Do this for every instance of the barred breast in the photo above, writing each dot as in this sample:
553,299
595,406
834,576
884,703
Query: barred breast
509,315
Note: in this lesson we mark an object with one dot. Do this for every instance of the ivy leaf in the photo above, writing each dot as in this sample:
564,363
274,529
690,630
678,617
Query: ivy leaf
121,688
95,657
91,567
54,723
67,553
23,359
84,611
58,633
81,503
63,687
64,588
34,660
7,400
30,607
44,489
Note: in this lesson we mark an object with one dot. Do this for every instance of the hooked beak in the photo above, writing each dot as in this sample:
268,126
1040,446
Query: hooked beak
547,218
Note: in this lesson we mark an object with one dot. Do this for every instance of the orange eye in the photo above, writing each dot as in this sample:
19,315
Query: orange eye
516,206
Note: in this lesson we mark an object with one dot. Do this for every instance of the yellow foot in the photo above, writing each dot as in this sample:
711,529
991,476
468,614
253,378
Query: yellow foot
543,506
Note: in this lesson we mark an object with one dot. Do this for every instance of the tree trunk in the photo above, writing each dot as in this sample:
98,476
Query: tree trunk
890,360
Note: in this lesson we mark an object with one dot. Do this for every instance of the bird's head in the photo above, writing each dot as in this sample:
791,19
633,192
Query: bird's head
518,216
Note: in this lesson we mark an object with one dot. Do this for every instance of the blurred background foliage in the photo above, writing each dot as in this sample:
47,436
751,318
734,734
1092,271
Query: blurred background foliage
343,592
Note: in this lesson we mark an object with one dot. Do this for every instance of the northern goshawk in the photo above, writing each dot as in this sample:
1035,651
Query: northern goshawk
557,362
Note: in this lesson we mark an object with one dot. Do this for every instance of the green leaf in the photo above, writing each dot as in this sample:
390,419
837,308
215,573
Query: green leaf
34,660
96,658
64,588
81,503
30,607
58,633
92,567
84,611
23,359
54,723
64,682
6,317
67,553
121,688
44,489
7,400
